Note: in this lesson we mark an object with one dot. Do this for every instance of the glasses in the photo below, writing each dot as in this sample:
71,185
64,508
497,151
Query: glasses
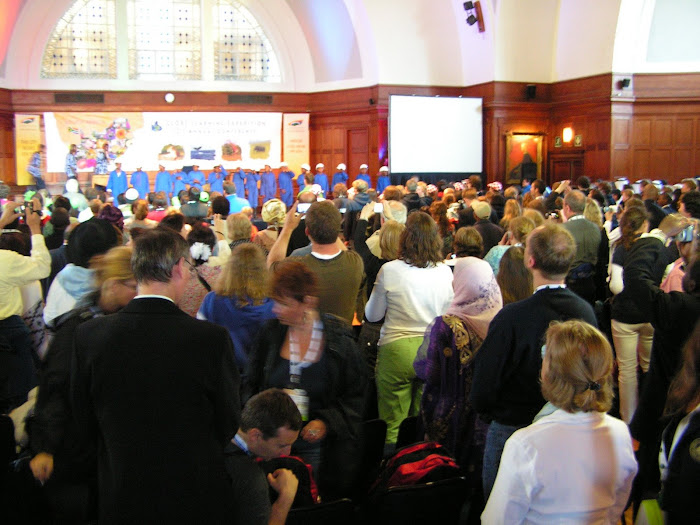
192,268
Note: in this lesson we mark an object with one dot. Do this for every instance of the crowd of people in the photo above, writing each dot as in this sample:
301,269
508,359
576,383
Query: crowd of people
155,343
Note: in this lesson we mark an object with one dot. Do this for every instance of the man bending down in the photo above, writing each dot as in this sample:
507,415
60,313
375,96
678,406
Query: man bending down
270,423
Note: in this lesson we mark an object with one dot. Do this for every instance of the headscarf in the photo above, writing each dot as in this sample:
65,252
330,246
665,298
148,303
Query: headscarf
113,215
477,296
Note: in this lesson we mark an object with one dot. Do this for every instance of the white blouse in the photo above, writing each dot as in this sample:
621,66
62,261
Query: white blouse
566,469
410,298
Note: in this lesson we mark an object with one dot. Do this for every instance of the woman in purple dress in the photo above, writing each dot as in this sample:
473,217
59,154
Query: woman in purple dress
445,363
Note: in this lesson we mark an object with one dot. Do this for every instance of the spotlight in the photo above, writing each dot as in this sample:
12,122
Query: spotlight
471,20
624,83
468,6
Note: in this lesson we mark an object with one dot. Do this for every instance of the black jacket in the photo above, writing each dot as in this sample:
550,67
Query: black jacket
343,403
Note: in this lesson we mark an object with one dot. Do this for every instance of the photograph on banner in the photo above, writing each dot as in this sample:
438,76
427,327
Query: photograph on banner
174,139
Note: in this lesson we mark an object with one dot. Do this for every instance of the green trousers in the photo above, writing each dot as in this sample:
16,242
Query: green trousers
398,391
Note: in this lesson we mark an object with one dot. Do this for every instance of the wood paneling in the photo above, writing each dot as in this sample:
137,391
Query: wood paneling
650,129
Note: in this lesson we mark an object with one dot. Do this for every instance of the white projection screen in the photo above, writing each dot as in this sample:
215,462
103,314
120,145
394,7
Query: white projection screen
435,134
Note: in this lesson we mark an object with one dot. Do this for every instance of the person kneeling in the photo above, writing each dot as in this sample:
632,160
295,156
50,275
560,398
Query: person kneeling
270,423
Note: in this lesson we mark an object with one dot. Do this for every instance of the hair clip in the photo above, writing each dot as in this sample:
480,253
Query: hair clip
593,385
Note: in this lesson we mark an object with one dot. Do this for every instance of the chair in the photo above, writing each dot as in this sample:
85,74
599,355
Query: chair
438,502
372,438
339,512
408,432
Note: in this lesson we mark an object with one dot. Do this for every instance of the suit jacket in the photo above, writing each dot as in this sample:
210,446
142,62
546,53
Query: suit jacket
158,391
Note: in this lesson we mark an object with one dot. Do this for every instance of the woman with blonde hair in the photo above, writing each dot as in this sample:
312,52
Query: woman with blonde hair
273,213
139,219
239,300
518,230
575,463
511,210
64,463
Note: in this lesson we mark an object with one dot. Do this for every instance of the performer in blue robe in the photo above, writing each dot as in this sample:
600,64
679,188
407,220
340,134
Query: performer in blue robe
164,181
305,168
34,168
196,177
383,179
340,176
321,178
251,184
239,180
139,180
285,178
117,183
268,184
179,180
363,175
216,180
102,160
72,162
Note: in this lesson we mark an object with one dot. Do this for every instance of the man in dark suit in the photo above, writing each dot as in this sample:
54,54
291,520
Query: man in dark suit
491,233
506,381
158,392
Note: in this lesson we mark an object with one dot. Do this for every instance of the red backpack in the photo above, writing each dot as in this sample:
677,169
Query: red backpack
419,463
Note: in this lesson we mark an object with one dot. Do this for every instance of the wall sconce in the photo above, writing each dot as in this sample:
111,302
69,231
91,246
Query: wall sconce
475,16
567,134
169,98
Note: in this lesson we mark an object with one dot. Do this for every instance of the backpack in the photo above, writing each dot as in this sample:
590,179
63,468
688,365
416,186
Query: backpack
415,464
307,492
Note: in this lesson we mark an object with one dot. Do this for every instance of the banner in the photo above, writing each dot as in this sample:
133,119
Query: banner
27,141
144,140
296,140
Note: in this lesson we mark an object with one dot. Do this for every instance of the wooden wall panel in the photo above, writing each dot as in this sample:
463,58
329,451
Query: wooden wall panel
684,132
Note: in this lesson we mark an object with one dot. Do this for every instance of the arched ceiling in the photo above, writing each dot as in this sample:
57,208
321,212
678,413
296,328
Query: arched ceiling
332,44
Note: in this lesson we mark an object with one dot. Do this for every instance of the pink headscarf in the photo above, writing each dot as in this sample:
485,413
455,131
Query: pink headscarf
477,296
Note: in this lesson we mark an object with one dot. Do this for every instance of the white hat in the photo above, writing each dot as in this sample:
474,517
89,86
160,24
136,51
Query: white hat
305,167
320,165
341,167
283,164
364,166
383,169
131,194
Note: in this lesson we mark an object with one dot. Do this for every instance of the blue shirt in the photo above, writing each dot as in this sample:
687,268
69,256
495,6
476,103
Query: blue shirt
117,183
286,189
339,177
251,184
164,182
216,181
139,180
322,180
268,186
237,204
178,185
34,167
239,181
364,177
382,182
193,176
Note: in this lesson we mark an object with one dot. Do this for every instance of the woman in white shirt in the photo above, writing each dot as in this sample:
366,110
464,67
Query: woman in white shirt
409,293
575,464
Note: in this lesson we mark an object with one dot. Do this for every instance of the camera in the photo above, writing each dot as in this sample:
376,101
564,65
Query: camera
686,235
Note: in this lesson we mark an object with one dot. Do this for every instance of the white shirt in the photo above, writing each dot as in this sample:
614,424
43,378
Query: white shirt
410,298
564,469
17,270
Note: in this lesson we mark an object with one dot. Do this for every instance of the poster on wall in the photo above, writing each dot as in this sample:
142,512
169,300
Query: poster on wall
296,140
174,139
27,140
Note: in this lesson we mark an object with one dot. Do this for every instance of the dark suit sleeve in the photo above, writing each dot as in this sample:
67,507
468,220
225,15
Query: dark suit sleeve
80,387
489,364
638,276
344,414
227,404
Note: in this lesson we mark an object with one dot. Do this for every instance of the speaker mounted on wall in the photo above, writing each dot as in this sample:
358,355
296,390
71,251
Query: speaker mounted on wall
530,91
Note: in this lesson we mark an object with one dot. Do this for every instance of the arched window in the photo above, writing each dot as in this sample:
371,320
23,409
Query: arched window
164,41
242,51
83,43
